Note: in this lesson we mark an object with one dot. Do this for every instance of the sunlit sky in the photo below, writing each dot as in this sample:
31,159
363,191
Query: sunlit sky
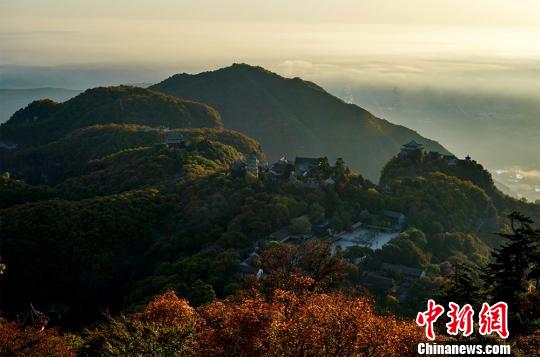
488,45
211,32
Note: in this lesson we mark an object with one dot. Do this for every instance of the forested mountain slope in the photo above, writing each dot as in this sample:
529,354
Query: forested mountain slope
294,117
44,121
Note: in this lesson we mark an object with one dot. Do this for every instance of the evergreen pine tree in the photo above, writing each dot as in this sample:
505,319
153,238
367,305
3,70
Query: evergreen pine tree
506,278
462,288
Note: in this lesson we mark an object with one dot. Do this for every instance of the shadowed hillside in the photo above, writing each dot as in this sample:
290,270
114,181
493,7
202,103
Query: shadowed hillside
54,162
402,171
14,99
45,121
294,117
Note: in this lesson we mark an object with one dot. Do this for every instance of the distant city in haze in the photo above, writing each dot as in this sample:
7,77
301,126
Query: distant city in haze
464,74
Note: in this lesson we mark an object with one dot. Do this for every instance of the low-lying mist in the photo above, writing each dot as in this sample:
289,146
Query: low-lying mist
486,108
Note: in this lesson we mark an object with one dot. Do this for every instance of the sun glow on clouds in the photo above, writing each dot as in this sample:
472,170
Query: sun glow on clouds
164,31
369,52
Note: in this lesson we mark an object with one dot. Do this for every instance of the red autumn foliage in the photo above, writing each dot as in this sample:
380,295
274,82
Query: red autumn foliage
252,324
310,324
528,345
29,341
309,266
167,309
236,328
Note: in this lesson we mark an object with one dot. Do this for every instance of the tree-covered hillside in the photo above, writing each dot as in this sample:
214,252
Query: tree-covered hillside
136,198
295,117
44,121
14,99
54,162
136,217
424,165
102,217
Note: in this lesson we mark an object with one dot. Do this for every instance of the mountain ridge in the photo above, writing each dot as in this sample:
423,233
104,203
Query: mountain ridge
12,99
45,121
55,161
291,116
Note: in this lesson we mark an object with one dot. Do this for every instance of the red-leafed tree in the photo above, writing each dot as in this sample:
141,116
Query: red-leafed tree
16,340
164,327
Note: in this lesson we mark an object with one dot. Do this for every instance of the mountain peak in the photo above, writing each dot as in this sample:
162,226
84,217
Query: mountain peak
258,70
244,67
293,117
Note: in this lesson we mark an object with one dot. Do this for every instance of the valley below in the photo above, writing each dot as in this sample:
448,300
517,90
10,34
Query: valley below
501,131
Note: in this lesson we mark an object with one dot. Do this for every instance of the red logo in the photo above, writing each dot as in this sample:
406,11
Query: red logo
429,317
490,319
494,319
460,319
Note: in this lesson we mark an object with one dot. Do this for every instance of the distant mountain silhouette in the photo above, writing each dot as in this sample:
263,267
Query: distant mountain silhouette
12,100
45,121
295,117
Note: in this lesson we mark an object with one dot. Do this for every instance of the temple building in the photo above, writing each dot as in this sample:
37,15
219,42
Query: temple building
280,168
396,219
411,147
451,160
252,165
174,140
303,165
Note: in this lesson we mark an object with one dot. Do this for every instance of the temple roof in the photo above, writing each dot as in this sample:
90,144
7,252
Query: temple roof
173,137
413,145
394,214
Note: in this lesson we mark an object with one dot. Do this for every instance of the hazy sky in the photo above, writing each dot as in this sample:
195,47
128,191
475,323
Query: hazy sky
48,32
487,43
454,12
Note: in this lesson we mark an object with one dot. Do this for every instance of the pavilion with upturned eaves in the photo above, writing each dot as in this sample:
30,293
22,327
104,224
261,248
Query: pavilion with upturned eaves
411,147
